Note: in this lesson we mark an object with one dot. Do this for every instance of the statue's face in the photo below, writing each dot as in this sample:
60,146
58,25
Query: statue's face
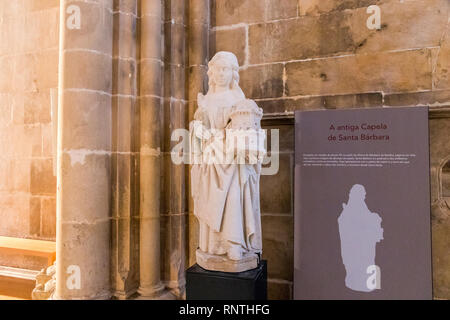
223,74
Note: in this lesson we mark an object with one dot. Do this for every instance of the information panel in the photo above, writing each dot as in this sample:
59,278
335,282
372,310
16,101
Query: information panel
362,204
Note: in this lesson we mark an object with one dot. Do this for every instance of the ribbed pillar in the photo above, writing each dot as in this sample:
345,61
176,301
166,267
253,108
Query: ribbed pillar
150,147
175,114
84,150
125,208
199,21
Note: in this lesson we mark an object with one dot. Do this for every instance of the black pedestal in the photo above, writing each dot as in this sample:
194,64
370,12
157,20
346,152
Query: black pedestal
202,284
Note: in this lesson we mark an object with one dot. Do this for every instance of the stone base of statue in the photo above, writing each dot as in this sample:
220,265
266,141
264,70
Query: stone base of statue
203,284
213,262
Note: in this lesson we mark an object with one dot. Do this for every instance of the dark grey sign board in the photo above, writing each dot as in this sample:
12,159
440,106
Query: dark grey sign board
362,204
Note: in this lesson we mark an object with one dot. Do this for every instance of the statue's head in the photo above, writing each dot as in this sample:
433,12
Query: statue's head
357,193
223,71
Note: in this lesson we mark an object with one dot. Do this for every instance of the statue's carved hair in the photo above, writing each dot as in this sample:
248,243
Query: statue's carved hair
231,59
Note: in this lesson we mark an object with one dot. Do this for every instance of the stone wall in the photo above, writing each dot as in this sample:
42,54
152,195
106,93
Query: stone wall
29,71
320,54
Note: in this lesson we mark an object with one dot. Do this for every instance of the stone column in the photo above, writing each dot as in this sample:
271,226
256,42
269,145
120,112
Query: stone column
84,150
175,114
199,22
150,147
125,130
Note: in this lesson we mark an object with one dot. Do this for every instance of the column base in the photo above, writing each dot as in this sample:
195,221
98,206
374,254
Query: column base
103,296
125,295
155,293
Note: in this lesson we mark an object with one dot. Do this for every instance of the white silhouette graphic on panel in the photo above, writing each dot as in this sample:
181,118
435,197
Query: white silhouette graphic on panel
360,230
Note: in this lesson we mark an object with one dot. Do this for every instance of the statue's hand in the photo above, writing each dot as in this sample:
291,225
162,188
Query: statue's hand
201,131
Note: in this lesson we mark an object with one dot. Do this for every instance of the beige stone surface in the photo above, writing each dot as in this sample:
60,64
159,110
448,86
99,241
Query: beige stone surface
23,262
91,241
123,118
48,218
147,45
317,7
411,24
233,40
28,32
29,64
126,6
35,215
308,37
197,82
14,212
173,194
264,81
36,108
199,11
345,32
198,44
174,42
153,45
226,12
278,245
341,101
441,262
174,244
277,190
288,10
88,123
193,239
84,156
39,71
437,97
402,71
83,200
124,72
125,31
441,79
95,32
189,23
42,180
151,77
7,65
36,26
175,75
80,73
15,175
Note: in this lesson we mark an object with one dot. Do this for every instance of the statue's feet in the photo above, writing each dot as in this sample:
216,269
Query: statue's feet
235,252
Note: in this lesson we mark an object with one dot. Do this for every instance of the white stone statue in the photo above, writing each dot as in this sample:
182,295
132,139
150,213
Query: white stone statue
227,145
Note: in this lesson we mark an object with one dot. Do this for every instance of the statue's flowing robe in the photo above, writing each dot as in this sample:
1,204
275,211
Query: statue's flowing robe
226,195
